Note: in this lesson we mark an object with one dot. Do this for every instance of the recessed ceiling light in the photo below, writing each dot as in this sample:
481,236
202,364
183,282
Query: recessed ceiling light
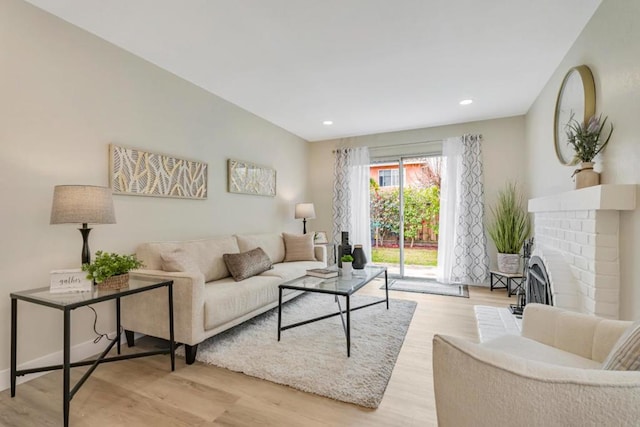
327,122
466,101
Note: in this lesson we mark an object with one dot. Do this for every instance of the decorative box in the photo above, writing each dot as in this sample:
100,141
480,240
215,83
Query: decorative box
72,280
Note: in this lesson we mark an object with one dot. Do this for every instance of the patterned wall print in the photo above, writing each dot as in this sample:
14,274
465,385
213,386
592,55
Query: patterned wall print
137,172
249,178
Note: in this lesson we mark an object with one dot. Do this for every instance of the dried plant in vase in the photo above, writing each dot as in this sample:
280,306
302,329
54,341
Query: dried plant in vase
509,228
587,141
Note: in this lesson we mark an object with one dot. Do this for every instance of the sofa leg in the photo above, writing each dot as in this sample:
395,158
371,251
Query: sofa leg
130,340
190,353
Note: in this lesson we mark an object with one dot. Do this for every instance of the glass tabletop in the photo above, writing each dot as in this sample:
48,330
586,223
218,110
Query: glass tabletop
63,300
339,285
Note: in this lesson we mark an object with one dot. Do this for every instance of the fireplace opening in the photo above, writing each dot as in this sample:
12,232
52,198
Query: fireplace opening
538,287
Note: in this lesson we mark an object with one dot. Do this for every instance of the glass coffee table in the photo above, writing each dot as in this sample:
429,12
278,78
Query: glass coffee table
339,287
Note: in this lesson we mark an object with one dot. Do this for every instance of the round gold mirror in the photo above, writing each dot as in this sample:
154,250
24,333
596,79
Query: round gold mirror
577,100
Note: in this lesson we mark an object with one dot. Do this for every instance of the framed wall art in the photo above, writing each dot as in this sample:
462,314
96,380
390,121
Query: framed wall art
249,178
141,173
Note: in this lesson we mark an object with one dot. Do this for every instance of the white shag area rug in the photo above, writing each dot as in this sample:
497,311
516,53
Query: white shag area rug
313,357
493,322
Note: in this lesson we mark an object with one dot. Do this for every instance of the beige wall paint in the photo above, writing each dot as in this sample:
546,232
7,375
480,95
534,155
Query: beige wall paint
501,152
65,95
610,46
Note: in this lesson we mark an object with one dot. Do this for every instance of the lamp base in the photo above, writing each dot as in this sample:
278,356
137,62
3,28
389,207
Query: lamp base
304,225
86,255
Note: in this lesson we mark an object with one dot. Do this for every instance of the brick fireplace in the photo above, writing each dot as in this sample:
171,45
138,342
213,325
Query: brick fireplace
577,236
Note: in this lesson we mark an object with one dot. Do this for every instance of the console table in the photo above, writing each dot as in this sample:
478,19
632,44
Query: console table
66,302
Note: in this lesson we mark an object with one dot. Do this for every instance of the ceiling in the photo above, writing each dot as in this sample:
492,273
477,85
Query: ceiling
370,66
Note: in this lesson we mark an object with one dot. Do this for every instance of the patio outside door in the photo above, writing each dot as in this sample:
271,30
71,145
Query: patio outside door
404,215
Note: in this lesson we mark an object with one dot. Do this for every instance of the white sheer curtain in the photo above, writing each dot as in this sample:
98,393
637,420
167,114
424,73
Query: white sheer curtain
462,244
449,189
360,222
351,197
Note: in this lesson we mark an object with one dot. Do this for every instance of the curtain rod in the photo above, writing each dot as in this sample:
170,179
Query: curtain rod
434,141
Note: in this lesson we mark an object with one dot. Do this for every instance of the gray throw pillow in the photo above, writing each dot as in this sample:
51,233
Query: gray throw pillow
247,264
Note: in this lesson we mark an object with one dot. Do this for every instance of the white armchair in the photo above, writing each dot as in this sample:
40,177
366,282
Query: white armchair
549,376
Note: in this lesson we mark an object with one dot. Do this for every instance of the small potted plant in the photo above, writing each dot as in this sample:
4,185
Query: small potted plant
509,228
347,265
111,270
586,140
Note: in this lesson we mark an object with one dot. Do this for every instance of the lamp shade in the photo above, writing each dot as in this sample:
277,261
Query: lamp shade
305,210
82,204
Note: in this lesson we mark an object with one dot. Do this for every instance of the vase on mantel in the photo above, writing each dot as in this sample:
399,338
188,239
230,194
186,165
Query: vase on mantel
586,176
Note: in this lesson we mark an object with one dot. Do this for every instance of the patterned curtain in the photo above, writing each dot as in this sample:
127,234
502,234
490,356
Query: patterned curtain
351,197
341,194
462,256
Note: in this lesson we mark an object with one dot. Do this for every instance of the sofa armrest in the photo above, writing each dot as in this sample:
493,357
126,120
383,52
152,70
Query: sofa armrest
320,252
478,386
148,312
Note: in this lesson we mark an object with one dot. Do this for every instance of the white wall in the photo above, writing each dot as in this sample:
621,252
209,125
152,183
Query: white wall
501,151
610,46
64,96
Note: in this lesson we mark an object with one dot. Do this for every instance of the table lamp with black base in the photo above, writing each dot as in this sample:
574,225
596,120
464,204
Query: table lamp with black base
82,204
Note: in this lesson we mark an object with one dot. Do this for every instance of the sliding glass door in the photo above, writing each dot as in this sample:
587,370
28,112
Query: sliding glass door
404,214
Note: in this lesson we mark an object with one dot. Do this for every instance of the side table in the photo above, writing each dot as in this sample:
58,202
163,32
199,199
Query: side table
68,302
507,281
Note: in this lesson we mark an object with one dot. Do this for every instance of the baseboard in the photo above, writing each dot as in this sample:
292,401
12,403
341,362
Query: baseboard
78,352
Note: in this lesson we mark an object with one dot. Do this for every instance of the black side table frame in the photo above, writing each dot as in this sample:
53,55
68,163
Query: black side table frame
67,307
508,281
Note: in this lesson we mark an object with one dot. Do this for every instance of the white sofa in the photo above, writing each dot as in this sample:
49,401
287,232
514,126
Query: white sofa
549,376
207,300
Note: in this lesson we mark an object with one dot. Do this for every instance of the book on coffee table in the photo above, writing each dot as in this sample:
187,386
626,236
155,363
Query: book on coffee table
324,273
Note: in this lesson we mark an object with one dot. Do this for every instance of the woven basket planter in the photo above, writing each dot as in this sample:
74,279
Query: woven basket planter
115,282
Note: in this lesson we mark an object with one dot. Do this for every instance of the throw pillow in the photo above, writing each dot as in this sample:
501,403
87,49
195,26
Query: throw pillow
625,355
178,261
298,247
247,264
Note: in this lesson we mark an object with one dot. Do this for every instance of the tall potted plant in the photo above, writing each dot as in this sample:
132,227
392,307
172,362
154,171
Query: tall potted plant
588,141
509,228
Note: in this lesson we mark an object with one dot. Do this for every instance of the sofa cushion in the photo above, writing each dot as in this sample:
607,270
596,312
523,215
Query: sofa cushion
625,355
271,243
178,260
533,350
206,253
298,247
291,270
247,264
226,299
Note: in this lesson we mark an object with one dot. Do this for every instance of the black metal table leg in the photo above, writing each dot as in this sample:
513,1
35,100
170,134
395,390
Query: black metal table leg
118,322
66,367
172,344
279,311
386,287
14,342
348,326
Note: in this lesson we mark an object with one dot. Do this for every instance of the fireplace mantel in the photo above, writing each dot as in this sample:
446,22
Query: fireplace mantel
621,197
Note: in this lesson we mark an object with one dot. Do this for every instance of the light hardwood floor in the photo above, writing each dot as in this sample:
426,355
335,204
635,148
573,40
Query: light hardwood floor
143,392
